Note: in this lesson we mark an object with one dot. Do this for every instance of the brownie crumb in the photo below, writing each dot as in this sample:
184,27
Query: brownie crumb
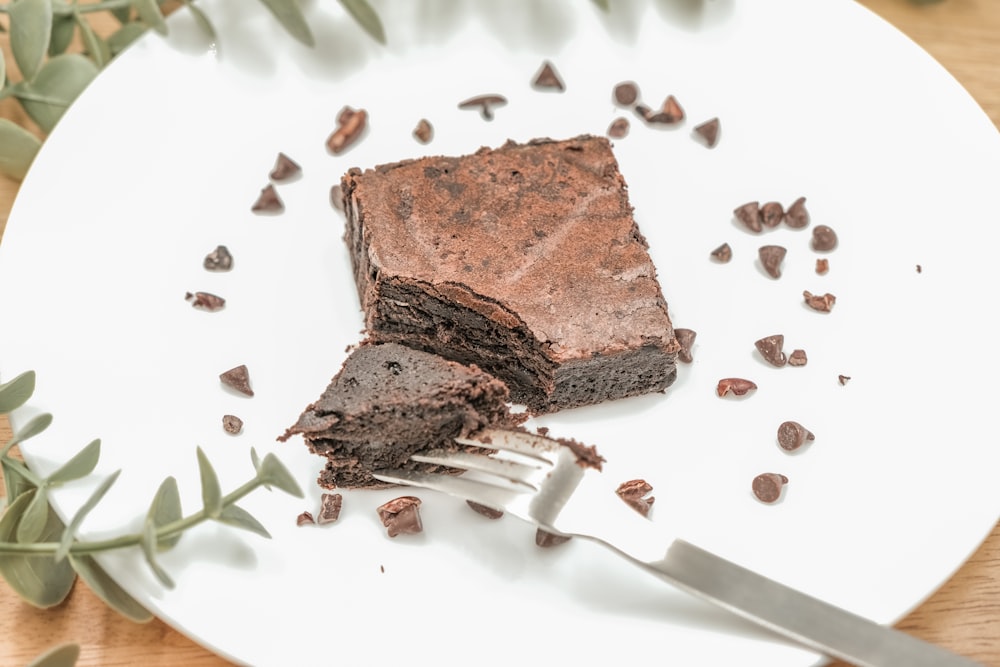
772,213
337,197
205,301
401,516
685,338
768,486
770,348
709,132
822,265
797,358
722,254
219,259
232,424
548,79
329,508
488,512
351,124
268,201
424,131
843,379
626,94
749,215
238,378
797,216
485,104
823,304
824,238
771,257
792,435
285,168
545,539
619,128
735,386
305,518
635,493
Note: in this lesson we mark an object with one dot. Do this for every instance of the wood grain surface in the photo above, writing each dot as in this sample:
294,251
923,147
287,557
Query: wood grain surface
964,615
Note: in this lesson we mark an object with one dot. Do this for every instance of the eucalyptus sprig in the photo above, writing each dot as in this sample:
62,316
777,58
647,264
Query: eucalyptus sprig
40,556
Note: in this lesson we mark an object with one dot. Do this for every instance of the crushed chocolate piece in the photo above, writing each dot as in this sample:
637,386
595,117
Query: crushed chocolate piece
734,386
792,435
305,518
337,197
485,104
424,131
772,213
920,269
330,505
823,304
771,257
797,358
767,486
205,301
545,539
770,348
635,492
797,216
822,265
488,512
548,79
685,337
232,424
749,215
285,168
671,111
351,124
824,238
709,132
401,516
219,259
237,378
842,379
619,128
643,112
723,253
268,201
626,94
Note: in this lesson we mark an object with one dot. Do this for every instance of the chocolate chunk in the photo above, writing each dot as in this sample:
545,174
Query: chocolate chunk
643,112
920,269
488,512
351,124
823,304
822,265
772,213
842,379
401,516
685,337
268,201
709,132
770,347
619,128
767,486
285,168
734,386
424,131
329,508
824,238
238,378
545,539
749,215
205,301
219,259
232,424
548,79
337,197
670,113
305,518
797,216
635,492
797,358
771,257
485,104
723,253
626,94
792,435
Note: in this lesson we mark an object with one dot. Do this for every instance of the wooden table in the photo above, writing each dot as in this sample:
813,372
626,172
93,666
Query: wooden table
964,615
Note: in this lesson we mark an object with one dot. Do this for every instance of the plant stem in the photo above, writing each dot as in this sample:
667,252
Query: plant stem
61,9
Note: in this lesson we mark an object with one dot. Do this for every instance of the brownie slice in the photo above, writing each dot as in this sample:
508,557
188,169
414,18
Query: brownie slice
389,401
524,260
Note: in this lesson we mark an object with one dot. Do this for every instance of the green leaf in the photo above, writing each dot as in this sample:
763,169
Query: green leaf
211,492
239,518
149,551
64,655
200,18
603,4
123,14
165,509
59,81
96,47
16,393
35,516
366,18
150,14
30,32
18,149
290,15
15,480
39,579
69,534
273,472
63,27
120,39
34,481
37,424
108,590
3,69
79,466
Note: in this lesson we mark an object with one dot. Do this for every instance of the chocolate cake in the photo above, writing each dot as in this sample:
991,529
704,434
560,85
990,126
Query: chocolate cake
524,260
390,401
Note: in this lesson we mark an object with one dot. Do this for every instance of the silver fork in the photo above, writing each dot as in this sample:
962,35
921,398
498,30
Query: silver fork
539,484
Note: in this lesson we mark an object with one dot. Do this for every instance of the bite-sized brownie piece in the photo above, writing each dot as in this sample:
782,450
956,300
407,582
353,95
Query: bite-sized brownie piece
388,402
524,260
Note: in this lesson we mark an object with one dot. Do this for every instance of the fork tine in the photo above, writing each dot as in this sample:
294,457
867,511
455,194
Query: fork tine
516,472
519,442
484,493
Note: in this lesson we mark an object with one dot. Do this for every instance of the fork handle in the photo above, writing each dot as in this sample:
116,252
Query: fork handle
819,625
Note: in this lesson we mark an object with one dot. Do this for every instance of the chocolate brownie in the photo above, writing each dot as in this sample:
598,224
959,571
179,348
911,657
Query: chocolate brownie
524,260
390,401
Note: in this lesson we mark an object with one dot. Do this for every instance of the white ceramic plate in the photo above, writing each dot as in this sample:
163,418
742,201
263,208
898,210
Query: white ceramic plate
161,159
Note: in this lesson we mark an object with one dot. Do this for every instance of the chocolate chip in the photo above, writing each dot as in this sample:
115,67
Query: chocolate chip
619,128
205,301
304,518
232,424
401,516
238,378
285,168
792,435
824,238
488,512
920,269
749,215
424,131
822,265
823,304
723,253
772,213
548,79
219,259
709,132
767,486
268,201
626,94
329,508
734,386
351,124
797,216
545,539
485,104
770,347
643,112
635,492
337,197
842,379
797,358
685,337
670,113
771,257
